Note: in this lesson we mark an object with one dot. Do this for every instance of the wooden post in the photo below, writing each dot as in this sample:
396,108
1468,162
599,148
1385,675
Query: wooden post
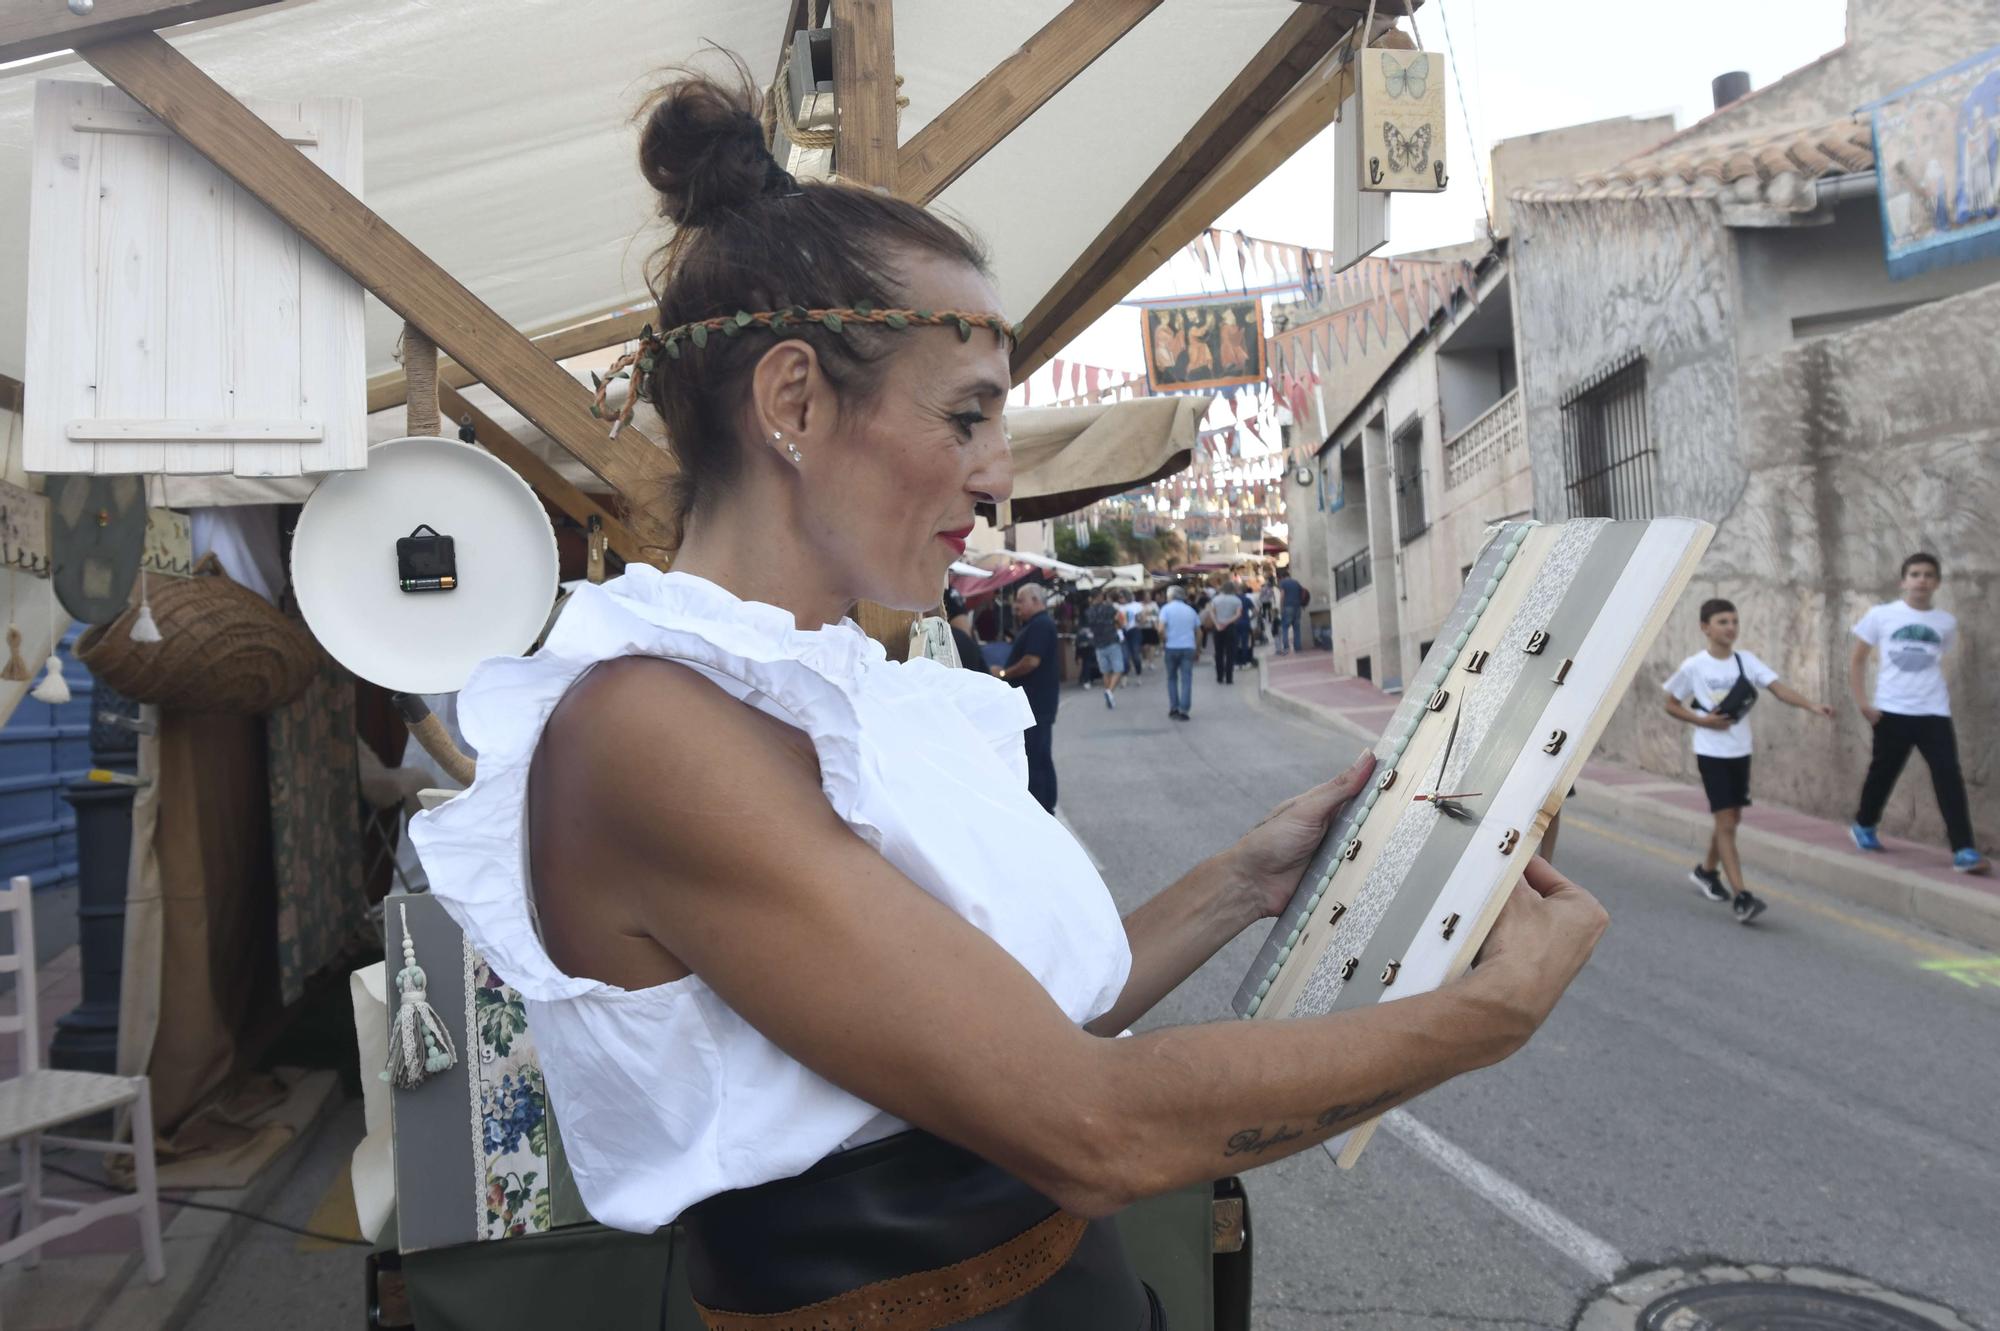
420,364
864,153
864,92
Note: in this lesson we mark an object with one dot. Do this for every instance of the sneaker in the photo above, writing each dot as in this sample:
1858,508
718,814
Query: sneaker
1971,861
1747,908
1180,716
1710,883
1864,837
1109,701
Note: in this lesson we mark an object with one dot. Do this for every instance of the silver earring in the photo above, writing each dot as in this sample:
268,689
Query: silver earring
791,450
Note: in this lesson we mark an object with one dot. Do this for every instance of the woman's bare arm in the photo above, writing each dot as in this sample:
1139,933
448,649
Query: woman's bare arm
716,839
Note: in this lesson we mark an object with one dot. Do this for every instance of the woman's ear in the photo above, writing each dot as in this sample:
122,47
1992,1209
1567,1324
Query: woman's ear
783,388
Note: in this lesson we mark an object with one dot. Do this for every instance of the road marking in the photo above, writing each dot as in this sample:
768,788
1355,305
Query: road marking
1875,928
1587,1250
1973,972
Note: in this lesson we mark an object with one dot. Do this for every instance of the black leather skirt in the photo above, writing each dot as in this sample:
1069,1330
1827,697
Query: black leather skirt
908,1204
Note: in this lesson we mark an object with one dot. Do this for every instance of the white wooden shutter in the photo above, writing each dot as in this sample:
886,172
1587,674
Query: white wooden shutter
174,324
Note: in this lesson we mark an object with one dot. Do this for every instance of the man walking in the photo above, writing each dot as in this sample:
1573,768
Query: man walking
1105,621
1713,691
1178,626
1224,612
1034,665
1134,610
1911,708
1291,605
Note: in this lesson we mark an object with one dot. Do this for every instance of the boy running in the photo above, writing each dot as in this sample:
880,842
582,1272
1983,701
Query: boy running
1713,691
1912,708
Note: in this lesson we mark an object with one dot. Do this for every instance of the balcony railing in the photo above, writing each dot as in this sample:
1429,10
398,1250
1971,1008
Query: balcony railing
1352,574
1498,431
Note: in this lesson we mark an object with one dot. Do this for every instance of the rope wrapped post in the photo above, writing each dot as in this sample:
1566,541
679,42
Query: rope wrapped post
420,369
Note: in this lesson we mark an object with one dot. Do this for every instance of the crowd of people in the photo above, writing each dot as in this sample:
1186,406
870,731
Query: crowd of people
1119,632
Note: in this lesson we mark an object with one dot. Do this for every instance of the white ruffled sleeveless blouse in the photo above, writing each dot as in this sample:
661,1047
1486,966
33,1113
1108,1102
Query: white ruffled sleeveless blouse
665,1096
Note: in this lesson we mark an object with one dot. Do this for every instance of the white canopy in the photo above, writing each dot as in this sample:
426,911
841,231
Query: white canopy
497,138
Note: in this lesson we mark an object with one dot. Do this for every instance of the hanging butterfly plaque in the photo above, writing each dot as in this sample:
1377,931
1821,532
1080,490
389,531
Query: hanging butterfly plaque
1402,120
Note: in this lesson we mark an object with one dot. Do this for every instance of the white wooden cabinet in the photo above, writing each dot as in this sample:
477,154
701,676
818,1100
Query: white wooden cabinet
174,325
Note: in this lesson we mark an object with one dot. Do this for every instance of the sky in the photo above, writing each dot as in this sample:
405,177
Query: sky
1524,66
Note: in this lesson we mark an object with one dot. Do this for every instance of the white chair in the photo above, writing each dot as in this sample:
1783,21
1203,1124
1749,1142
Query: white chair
41,1098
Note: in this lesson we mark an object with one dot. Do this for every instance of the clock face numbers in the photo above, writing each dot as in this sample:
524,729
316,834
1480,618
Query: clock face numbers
1476,662
1449,925
1536,642
1557,738
1562,671
1508,842
1388,780
1437,701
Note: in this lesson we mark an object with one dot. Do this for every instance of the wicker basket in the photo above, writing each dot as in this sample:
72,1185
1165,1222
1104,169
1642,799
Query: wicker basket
222,648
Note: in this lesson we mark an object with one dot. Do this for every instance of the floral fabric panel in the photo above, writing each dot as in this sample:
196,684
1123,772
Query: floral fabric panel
512,1151
316,827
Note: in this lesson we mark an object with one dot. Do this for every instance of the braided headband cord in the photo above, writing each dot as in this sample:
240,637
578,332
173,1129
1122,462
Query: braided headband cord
637,363
835,320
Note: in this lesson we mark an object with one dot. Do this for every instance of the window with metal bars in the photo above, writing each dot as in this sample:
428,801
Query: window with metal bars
1608,454
1352,574
1411,519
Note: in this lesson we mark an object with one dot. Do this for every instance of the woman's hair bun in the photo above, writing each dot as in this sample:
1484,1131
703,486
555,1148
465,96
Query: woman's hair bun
702,148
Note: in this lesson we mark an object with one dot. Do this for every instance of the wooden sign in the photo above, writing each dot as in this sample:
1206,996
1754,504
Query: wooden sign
24,530
174,324
1402,120
1413,872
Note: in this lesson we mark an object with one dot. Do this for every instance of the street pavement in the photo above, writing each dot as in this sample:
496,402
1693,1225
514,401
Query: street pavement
1820,1088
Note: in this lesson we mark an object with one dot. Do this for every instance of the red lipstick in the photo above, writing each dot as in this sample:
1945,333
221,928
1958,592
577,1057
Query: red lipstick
956,539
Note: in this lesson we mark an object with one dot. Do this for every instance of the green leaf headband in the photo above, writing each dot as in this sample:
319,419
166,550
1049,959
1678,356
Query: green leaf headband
836,320
638,363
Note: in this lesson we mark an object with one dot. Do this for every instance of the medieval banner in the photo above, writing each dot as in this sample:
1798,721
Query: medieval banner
1937,164
1215,344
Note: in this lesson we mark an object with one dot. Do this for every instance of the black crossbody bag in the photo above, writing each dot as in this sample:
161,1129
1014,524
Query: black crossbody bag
1742,696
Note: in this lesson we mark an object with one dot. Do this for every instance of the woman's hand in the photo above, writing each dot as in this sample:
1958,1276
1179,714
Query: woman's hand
1268,860
1542,938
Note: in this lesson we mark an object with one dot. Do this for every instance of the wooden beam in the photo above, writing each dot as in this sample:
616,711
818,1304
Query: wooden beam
1307,111
1301,42
864,92
369,250
546,479
391,389
37,27
1012,91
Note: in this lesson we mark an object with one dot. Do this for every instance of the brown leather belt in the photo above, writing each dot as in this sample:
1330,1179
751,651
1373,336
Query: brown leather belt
928,1300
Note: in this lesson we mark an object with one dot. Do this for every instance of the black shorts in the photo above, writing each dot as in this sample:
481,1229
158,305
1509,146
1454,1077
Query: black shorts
1727,781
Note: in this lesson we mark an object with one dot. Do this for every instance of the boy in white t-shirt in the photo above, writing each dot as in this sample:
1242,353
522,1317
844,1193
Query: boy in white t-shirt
1713,691
1911,708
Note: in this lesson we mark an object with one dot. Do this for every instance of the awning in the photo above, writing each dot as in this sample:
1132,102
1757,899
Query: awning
978,590
1066,458
497,137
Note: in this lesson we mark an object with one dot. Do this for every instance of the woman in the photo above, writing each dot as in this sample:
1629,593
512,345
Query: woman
806,965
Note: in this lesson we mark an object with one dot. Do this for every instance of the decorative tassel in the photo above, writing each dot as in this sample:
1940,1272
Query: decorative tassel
53,688
419,1044
16,669
143,627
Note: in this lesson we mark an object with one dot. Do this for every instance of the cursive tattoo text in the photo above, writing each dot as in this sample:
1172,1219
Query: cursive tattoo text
1257,1141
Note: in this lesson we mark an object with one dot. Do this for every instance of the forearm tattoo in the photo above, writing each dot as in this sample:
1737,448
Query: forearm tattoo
1256,1141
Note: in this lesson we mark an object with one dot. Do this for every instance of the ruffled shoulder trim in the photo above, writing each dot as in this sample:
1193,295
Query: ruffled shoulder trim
474,848
998,710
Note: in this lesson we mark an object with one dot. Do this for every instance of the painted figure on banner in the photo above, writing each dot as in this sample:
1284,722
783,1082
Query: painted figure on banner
1937,158
1169,341
1201,345
1235,356
1214,344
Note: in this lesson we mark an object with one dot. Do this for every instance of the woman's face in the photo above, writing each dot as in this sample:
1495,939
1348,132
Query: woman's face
891,503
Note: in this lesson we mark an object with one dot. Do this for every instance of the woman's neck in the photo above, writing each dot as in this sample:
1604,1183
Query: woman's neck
757,559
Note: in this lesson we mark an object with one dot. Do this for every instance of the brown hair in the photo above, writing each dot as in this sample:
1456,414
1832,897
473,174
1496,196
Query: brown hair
1716,606
749,237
